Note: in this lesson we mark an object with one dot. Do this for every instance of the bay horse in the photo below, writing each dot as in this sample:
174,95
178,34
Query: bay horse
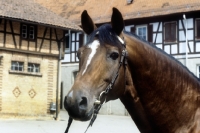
160,94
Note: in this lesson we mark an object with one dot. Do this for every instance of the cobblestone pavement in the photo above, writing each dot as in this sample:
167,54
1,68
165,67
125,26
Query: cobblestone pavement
103,124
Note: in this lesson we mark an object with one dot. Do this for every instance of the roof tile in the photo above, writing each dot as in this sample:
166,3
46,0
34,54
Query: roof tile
100,10
28,10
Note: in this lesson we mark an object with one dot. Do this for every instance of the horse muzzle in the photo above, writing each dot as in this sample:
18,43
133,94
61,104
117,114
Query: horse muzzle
78,107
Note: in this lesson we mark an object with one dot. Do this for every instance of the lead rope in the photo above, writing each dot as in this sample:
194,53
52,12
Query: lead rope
96,111
69,124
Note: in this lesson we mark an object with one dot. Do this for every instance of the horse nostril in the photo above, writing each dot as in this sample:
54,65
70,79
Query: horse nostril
83,103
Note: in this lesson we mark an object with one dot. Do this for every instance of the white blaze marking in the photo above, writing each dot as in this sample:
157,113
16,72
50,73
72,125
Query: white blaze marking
120,40
93,46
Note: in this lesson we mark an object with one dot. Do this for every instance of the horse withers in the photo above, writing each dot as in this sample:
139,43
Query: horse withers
160,94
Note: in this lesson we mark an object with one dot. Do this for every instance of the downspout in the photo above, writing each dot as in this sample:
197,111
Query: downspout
186,41
85,38
59,72
58,79
69,34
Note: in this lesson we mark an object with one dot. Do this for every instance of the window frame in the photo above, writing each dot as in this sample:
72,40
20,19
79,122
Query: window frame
35,67
142,26
19,64
170,40
75,42
31,30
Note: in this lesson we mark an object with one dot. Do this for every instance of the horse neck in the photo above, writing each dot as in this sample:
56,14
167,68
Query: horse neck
164,86
134,107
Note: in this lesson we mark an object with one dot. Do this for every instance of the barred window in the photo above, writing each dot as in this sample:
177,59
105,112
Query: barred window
28,31
32,32
17,66
32,67
24,31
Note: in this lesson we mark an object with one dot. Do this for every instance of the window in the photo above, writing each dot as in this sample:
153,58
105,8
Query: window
32,32
24,31
72,44
73,40
197,28
28,31
67,46
33,67
170,33
141,31
17,66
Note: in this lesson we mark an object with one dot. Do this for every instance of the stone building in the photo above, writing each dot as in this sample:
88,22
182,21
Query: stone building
173,26
31,47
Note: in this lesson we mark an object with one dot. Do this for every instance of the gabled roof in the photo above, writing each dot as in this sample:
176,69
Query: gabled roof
28,10
100,10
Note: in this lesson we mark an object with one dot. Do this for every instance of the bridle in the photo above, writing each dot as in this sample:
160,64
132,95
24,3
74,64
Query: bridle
98,103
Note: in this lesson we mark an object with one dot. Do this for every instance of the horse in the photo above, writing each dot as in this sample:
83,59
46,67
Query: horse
160,94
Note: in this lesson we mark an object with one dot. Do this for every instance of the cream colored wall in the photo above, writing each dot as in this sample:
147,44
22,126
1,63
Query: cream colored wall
24,94
35,92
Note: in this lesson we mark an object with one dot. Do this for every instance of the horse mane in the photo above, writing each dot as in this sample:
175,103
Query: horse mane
160,50
106,35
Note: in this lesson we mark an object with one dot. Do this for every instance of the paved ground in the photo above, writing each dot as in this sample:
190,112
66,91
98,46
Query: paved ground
103,124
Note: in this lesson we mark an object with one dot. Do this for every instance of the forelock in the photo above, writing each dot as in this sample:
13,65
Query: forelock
106,35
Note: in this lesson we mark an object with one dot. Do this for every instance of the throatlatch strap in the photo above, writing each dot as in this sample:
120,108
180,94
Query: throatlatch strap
69,124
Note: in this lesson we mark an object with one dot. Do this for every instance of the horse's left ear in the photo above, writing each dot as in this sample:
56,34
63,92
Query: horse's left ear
117,21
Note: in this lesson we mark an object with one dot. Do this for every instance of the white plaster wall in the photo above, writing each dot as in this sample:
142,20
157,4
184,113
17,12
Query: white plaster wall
192,64
128,28
67,78
114,107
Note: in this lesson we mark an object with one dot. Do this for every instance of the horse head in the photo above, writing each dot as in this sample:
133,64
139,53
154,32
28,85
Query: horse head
98,63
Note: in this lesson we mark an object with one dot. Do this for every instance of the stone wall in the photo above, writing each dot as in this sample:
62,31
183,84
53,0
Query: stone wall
24,94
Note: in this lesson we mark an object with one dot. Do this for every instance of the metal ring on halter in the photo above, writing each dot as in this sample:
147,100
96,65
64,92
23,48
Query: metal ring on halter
97,102
101,95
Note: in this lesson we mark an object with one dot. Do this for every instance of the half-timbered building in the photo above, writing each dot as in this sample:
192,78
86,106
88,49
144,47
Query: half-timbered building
31,47
173,26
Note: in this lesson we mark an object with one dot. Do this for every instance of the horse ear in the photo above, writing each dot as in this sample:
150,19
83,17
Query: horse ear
87,23
117,21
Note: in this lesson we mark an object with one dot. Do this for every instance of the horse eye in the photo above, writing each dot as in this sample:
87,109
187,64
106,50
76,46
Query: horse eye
114,55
